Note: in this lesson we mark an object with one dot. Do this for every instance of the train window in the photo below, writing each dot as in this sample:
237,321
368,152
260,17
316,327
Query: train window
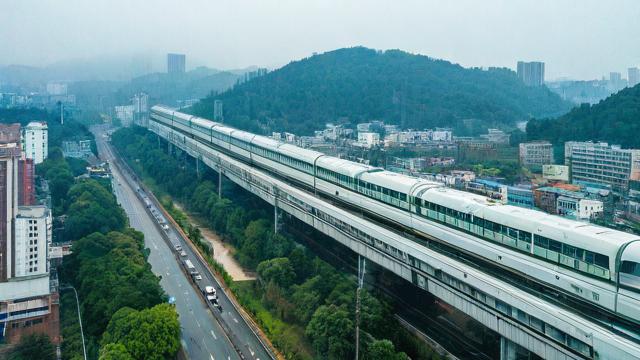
630,267
541,241
578,345
569,250
555,334
536,323
602,260
555,246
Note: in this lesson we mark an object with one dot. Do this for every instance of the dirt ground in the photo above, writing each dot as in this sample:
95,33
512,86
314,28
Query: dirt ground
222,252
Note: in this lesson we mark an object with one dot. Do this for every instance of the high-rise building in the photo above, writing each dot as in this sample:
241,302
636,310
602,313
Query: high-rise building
634,76
32,239
27,303
26,176
9,157
603,164
616,82
35,142
175,63
535,154
531,73
217,110
140,104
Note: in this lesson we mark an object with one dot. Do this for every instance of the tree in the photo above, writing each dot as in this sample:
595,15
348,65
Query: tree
60,180
383,350
331,331
114,352
147,334
34,347
277,270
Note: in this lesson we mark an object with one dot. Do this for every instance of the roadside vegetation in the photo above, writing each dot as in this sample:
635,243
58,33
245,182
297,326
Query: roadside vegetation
121,301
305,305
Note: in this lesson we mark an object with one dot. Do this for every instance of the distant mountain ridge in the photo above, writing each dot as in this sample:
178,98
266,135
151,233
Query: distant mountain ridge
353,85
615,119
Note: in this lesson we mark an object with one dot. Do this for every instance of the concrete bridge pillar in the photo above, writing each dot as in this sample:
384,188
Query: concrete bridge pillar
276,216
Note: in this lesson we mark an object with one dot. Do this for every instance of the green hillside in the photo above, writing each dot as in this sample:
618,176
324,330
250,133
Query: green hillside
615,119
359,84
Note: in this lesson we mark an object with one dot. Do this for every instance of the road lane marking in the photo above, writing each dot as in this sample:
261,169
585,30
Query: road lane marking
211,356
214,335
236,320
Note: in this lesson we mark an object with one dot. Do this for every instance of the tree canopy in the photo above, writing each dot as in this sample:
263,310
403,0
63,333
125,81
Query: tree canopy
146,334
358,84
34,347
615,119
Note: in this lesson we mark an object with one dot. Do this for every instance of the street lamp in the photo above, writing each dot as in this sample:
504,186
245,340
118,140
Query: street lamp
84,349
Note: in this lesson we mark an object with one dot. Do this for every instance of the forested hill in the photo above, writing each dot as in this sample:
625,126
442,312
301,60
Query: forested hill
615,119
359,84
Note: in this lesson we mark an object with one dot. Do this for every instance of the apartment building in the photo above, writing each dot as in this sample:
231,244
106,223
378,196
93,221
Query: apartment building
604,164
35,142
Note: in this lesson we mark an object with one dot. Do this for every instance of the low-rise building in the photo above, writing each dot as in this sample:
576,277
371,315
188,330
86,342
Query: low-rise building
577,205
368,139
77,149
125,113
579,208
496,136
533,155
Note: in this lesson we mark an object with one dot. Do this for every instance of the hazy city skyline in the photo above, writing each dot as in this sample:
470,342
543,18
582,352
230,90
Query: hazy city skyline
576,39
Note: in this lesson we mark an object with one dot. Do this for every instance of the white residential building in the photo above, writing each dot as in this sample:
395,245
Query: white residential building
32,240
368,139
579,209
124,113
35,141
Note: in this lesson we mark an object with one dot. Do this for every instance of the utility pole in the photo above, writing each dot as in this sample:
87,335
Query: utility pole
84,349
361,271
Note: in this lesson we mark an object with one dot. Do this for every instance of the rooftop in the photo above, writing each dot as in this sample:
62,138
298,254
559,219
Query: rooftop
9,133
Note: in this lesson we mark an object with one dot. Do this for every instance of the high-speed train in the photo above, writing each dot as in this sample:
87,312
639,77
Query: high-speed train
598,265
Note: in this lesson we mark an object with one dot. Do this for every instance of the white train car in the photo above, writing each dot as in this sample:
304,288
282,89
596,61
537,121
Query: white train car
287,160
579,259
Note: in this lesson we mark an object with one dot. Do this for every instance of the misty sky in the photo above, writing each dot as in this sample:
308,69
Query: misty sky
578,39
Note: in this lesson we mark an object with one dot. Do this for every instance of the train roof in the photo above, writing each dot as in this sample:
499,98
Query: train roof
345,167
580,234
224,129
306,155
632,253
243,135
399,182
266,142
162,108
203,122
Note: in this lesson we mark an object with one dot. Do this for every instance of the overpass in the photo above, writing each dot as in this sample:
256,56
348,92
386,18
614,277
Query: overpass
522,320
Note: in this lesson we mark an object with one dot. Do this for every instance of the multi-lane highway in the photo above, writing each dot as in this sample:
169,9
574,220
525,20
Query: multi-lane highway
207,332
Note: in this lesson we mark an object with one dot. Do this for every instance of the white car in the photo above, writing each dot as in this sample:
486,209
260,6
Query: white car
210,290
183,253
177,247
